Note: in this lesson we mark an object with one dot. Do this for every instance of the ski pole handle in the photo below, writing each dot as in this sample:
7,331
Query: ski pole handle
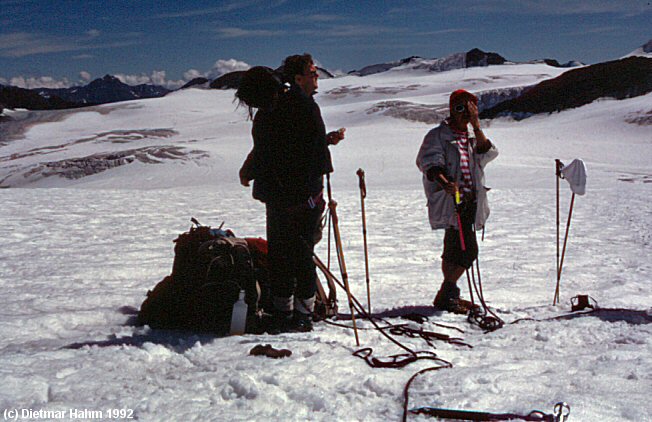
361,183
558,166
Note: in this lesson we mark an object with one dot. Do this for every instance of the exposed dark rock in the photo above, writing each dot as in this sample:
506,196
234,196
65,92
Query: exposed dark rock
477,58
358,91
435,113
14,97
619,79
229,80
641,118
324,73
195,82
647,47
76,168
490,98
414,112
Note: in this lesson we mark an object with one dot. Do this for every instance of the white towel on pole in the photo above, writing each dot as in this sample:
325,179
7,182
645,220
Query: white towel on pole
575,174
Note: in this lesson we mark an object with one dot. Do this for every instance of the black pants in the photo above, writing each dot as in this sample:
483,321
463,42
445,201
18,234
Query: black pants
291,237
452,243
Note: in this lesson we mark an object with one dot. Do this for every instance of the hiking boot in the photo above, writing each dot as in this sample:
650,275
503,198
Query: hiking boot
279,322
448,300
455,305
301,323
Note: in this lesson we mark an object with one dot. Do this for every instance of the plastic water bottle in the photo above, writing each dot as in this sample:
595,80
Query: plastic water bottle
239,316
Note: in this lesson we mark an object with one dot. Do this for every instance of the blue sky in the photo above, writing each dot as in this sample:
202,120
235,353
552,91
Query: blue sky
64,42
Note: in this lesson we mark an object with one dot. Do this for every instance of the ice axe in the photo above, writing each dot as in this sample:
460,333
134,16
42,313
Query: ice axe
363,195
458,201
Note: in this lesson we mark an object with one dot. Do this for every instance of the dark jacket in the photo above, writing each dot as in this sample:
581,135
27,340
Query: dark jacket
290,153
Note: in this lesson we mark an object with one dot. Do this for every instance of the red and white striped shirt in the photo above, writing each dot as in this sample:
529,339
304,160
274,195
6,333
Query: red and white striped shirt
462,140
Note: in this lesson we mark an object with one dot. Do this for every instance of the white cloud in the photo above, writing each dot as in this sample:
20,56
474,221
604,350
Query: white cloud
225,33
548,7
39,82
346,30
191,74
157,77
229,7
222,67
596,30
297,17
22,44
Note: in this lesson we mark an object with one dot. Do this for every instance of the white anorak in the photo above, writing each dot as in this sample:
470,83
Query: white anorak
439,149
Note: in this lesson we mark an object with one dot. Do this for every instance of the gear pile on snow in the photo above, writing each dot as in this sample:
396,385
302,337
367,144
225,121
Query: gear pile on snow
211,267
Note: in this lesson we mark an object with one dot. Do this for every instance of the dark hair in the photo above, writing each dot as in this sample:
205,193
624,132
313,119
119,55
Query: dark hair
259,88
296,65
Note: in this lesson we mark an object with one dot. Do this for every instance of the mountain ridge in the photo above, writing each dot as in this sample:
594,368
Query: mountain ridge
624,78
109,89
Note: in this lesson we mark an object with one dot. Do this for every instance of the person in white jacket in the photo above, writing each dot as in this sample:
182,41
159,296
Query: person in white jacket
452,162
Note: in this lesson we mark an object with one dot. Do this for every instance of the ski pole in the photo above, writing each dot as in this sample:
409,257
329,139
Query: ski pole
363,195
558,166
563,252
332,205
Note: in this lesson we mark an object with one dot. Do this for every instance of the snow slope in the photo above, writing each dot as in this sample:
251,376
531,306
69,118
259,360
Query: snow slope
79,254
644,51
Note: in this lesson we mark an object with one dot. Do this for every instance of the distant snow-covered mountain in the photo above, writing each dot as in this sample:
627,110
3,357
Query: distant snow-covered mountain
472,58
108,89
644,51
382,67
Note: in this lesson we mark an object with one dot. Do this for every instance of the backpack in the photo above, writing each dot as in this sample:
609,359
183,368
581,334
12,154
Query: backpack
210,268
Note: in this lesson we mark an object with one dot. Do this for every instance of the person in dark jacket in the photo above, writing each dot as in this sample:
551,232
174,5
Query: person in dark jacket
287,164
